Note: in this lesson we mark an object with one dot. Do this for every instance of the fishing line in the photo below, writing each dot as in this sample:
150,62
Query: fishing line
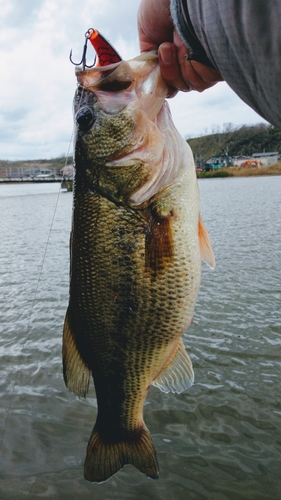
37,285
17,370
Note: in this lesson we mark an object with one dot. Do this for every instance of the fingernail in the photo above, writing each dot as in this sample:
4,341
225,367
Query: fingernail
166,54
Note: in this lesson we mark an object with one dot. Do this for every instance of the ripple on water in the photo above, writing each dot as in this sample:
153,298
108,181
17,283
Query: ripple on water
222,439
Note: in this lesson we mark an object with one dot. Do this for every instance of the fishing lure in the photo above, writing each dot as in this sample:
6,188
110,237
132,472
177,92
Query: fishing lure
105,53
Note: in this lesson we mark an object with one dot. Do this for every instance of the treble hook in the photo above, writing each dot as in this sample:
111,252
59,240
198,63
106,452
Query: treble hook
105,53
83,60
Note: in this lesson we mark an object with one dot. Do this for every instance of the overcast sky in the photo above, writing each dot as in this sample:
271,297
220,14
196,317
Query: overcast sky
37,80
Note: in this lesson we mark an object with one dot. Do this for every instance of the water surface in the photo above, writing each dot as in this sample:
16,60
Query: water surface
221,439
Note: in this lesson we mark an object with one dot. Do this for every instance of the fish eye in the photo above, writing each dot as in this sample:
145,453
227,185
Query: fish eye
85,118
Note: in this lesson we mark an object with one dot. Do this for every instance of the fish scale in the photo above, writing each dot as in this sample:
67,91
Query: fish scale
135,267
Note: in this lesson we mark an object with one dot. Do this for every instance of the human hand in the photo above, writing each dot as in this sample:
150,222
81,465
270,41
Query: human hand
156,31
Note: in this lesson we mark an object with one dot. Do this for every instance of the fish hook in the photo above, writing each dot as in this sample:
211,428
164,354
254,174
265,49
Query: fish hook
83,60
105,53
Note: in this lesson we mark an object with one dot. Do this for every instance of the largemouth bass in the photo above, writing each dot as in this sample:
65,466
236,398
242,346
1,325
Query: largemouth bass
136,246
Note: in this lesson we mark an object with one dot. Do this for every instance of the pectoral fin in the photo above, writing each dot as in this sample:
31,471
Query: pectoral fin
75,372
177,375
206,250
159,240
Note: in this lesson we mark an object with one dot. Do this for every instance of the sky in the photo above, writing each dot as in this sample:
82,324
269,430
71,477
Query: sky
37,81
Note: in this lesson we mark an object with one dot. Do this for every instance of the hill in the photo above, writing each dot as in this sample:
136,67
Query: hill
244,140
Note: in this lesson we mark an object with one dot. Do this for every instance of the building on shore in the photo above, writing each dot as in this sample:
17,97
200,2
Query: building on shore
266,159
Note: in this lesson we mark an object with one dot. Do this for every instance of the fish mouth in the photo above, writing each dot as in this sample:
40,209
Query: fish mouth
139,77
118,76
109,72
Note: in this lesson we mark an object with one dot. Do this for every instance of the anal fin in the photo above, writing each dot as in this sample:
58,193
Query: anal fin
177,375
75,372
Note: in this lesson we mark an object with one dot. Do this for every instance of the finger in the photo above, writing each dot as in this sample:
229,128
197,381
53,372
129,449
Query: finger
197,75
207,75
182,74
154,24
145,43
170,68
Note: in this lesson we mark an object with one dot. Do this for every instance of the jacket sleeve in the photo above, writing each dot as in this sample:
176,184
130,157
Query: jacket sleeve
182,22
241,39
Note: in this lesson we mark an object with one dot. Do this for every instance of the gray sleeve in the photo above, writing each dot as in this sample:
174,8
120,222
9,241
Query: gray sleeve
242,40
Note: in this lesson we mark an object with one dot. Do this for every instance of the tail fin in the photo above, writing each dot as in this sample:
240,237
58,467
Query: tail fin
105,459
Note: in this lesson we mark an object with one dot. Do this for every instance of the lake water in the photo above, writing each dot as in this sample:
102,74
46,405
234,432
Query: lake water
221,439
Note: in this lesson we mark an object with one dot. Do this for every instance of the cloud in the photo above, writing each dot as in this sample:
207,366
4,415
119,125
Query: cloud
38,83
196,113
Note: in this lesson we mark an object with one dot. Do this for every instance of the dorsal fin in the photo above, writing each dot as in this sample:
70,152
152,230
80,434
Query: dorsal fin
205,244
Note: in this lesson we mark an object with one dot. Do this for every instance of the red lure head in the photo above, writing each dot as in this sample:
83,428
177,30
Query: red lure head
106,54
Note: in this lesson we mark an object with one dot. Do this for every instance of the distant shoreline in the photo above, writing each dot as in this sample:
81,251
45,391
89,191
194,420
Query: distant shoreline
28,181
221,172
241,172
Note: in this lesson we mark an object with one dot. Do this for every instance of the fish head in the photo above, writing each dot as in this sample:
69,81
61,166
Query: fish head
122,129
